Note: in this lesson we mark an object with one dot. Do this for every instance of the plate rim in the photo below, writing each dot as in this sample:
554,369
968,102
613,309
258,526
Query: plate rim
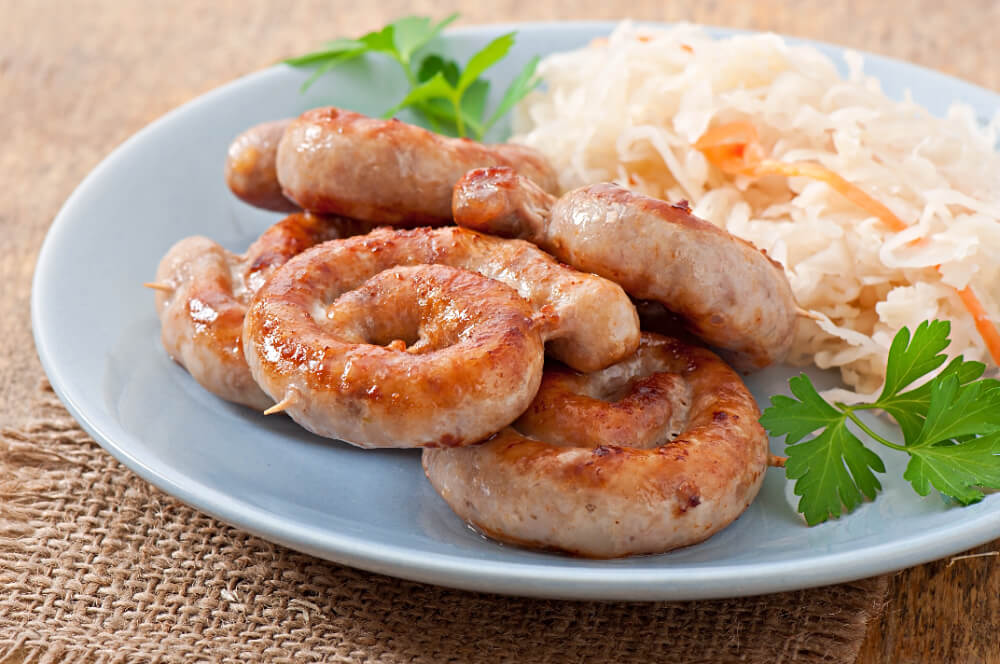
465,572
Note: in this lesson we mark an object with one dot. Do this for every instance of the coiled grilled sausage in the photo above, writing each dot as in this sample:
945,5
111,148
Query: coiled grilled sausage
675,457
416,356
597,324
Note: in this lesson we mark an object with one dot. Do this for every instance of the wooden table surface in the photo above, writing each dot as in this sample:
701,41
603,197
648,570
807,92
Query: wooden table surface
78,78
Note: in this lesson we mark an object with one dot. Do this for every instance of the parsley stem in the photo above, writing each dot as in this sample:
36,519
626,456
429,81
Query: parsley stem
459,123
849,411
412,78
405,66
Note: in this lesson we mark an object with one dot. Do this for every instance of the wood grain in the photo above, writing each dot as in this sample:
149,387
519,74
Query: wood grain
945,611
78,78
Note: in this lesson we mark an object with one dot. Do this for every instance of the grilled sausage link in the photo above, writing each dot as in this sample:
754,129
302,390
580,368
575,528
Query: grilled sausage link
386,171
730,294
203,291
250,167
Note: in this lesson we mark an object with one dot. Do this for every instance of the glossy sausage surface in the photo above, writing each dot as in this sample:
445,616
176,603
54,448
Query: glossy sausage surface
339,162
250,167
729,293
203,293
696,460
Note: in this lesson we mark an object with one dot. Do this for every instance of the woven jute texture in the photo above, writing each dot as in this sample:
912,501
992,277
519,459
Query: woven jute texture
98,566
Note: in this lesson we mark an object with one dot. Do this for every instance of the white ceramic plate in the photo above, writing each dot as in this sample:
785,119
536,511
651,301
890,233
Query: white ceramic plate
98,338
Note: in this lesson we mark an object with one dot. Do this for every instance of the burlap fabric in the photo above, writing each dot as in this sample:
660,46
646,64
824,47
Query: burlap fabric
96,565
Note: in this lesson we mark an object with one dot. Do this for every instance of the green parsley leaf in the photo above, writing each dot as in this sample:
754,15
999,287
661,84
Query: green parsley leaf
909,359
956,411
950,425
382,41
832,471
433,64
412,33
473,103
436,86
797,419
909,408
339,51
334,49
524,83
329,63
956,469
452,100
490,54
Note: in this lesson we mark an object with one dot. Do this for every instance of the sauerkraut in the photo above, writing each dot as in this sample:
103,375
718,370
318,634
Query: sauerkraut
631,108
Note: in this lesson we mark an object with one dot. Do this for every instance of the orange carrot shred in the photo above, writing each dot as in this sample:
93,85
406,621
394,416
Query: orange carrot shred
735,149
838,184
987,330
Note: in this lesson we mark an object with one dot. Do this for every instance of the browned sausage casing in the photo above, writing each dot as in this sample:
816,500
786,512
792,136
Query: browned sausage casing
206,290
730,294
595,323
250,167
338,162
412,356
657,452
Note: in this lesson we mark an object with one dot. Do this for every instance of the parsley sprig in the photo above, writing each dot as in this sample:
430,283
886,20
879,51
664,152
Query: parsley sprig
950,425
450,98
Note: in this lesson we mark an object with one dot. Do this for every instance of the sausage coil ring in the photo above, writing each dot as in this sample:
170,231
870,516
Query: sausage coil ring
730,294
561,489
416,356
595,322
202,292
590,321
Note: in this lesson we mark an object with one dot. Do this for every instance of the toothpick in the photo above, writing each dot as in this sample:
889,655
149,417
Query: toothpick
166,288
291,396
776,461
